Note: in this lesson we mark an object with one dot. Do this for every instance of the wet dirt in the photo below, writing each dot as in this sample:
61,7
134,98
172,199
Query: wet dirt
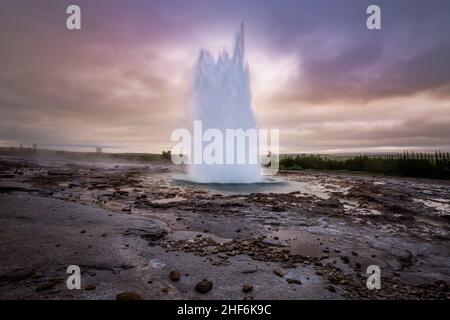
323,229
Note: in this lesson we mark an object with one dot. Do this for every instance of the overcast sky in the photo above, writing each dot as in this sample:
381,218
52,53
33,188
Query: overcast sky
318,74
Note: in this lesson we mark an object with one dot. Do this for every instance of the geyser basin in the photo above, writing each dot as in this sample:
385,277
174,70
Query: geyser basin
222,101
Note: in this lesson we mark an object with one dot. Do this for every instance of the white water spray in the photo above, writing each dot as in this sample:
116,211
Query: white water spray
222,100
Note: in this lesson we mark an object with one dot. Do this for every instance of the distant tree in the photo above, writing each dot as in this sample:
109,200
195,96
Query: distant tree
424,165
166,155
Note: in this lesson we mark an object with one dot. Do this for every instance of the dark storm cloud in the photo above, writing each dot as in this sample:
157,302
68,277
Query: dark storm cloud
360,74
342,60
125,78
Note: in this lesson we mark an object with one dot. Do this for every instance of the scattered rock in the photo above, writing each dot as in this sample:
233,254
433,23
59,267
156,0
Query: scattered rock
345,259
249,271
45,286
90,287
126,209
247,287
174,275
279,272
331,288
48,285
294,281
204,286
128,296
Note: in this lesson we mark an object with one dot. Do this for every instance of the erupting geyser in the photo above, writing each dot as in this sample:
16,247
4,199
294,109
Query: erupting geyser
222,100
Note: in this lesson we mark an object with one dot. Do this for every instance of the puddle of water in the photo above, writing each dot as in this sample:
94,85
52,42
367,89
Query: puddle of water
271,185
267,185
168,200
301,242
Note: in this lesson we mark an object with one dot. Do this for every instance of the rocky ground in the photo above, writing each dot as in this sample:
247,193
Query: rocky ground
136,232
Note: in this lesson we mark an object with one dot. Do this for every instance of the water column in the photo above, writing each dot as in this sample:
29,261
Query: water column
222,100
